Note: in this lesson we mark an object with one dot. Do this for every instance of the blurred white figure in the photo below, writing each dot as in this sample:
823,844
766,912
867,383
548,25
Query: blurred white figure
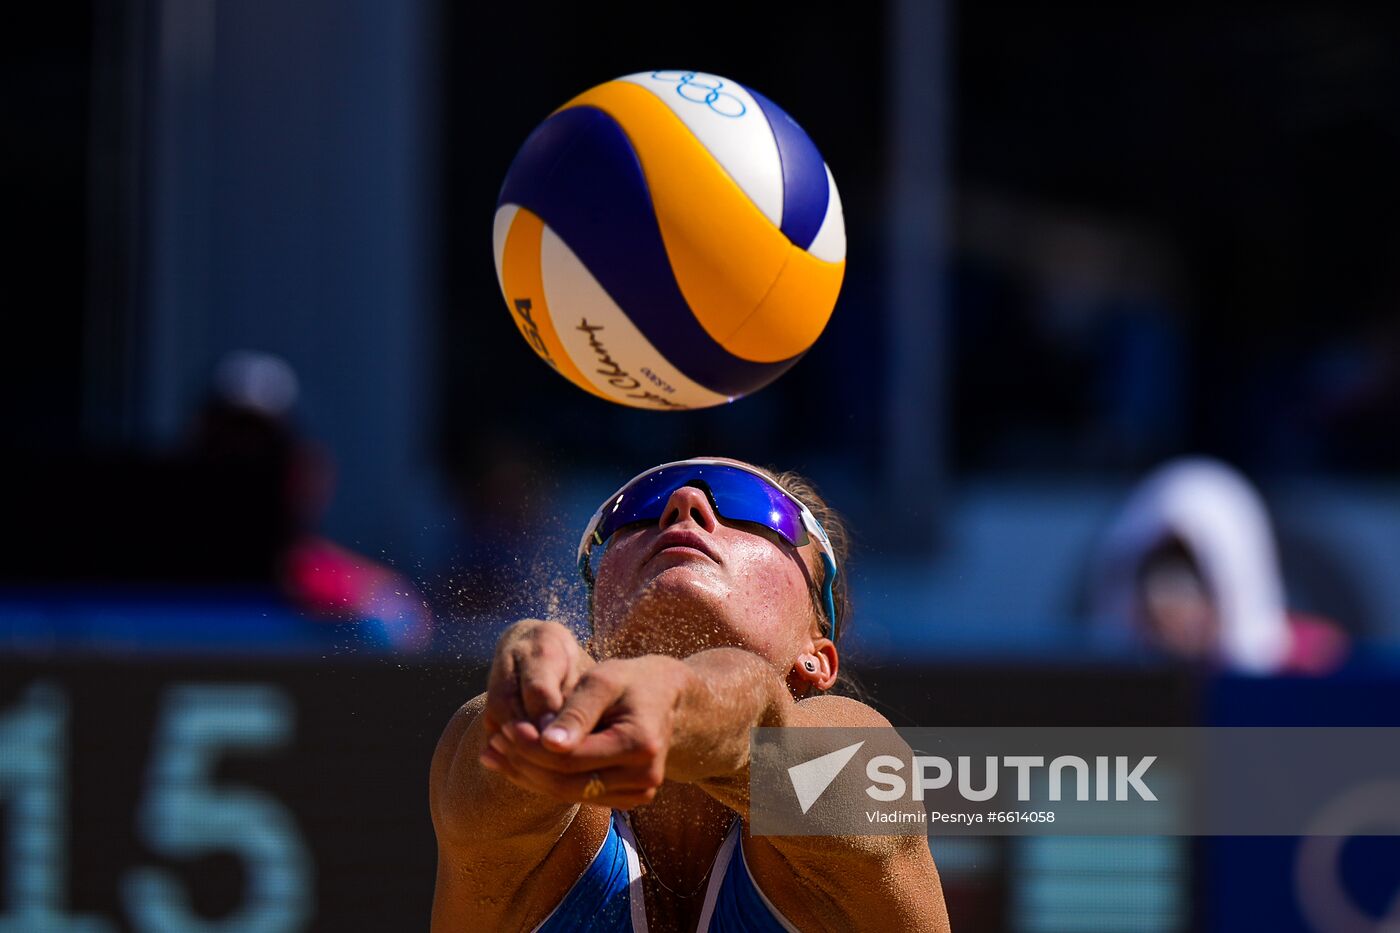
1190,567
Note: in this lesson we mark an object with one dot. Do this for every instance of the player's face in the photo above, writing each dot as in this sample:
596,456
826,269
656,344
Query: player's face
693,580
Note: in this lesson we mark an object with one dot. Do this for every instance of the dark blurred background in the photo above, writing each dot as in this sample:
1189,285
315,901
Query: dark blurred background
278,467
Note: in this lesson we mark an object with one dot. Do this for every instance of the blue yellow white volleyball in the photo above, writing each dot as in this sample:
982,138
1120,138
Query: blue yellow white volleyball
670,240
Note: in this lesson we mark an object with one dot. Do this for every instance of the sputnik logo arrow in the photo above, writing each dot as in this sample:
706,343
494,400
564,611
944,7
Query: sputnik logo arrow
811,778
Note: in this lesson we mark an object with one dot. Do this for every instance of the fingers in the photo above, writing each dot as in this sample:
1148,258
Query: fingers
622,787
596,690
542,666
503,694
536,664
560,756
622,744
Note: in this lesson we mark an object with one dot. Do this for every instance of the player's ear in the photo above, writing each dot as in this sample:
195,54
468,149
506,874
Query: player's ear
815,669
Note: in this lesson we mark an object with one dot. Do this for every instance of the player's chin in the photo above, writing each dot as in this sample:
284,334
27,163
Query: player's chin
683,584
676,610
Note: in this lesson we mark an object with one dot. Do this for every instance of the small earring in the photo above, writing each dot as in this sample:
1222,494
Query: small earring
810,665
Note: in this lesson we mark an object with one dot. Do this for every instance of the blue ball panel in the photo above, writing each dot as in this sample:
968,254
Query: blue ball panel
804,175
579,173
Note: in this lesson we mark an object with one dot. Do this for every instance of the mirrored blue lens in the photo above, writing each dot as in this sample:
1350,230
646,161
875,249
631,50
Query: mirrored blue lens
737,495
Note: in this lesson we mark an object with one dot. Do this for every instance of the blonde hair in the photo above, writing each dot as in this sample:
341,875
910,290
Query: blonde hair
835,527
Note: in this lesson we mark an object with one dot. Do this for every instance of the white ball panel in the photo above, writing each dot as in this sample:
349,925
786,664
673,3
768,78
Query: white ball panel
830,241
611,353
731,125
500,229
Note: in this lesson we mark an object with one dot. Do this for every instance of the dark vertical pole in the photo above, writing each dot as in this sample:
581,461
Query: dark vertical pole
121,53
916,455
177,269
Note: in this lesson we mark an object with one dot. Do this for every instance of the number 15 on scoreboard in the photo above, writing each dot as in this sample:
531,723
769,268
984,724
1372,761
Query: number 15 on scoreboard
182,815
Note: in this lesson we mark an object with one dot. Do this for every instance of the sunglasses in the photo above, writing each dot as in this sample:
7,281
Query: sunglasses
737,493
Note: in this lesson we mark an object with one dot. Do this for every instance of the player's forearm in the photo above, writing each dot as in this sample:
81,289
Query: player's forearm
725,692
473,805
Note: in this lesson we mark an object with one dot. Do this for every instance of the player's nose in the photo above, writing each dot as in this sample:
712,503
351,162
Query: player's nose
690,502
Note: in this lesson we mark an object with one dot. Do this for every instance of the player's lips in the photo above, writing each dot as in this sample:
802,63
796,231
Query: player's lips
680,539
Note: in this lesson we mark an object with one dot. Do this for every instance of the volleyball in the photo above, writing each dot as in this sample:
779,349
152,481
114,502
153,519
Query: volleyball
669,240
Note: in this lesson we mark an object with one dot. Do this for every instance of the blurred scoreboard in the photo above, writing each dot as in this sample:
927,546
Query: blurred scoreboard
191,796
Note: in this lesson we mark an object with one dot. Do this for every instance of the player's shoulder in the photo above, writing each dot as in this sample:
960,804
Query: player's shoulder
467,713
457,727
448,746
841,711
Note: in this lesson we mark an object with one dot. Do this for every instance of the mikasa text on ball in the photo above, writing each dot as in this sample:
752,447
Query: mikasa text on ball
670,240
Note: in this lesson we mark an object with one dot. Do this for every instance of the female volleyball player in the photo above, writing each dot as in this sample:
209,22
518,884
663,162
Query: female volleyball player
605,787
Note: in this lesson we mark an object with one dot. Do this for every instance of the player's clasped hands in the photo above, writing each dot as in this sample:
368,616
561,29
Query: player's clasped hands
566,726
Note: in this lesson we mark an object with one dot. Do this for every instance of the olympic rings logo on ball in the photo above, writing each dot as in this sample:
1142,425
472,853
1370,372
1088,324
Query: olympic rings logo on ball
700,88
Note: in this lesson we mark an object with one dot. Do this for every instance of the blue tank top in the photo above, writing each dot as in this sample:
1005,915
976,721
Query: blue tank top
607,897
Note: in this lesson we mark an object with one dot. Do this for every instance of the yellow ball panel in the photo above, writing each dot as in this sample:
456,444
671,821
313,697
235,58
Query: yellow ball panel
524,289
724,252
794,312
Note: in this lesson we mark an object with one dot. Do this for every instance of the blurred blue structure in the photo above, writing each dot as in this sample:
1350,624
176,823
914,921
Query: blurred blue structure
291,152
